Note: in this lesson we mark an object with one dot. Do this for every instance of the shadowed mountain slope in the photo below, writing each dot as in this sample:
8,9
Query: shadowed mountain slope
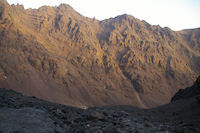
59,55
189,92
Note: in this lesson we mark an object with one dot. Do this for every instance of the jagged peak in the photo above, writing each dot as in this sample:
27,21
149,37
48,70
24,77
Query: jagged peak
3,3
63,5
4,8
18,6
125,17
120,18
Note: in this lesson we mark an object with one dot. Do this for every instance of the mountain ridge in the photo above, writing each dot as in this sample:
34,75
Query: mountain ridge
57,54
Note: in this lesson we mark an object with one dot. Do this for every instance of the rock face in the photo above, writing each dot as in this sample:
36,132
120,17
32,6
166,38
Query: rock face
22,114
189,92
56,54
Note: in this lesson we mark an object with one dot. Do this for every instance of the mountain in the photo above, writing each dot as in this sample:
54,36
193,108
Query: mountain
56,54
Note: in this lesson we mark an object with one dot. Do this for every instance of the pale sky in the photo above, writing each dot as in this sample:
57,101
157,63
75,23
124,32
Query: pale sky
175,14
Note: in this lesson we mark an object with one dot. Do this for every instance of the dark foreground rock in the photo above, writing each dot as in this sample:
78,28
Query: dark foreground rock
25,120
22,114
189,92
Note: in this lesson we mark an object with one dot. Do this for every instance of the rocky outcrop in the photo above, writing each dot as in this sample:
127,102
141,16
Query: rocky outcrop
189,92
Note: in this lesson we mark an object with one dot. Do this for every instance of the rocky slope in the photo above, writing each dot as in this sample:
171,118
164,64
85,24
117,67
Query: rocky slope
189,92
22,114
56,54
